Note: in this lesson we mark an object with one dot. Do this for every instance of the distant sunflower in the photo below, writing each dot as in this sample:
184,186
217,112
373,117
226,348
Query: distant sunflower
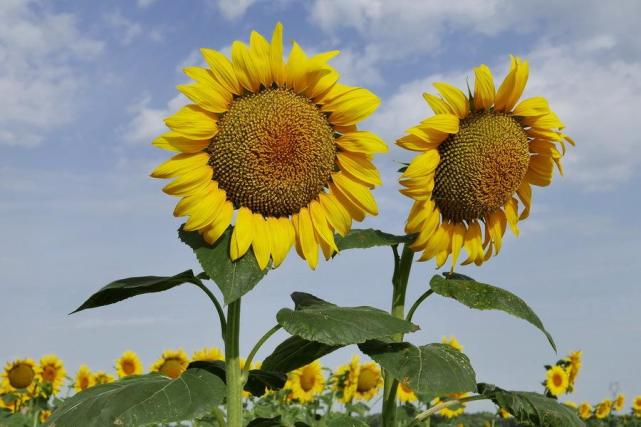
306,383
171,364
20,374
619,402
452,411
345,380
370,381
84,379
477,156
603,409
275,141
504,413
571,404
52,372
556,380
574,367
404,393
208,353
128,364
44,415
585,410
101,377
452,342
636,403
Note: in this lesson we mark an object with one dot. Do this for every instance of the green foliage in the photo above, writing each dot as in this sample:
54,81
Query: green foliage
132,286
532,408
296,352
368,238
317,320
431,370
346,421
481,296
258,380
234,278
140,400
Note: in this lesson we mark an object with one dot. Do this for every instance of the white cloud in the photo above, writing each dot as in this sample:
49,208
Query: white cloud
145,3
38,50
125,29
233,9
148,122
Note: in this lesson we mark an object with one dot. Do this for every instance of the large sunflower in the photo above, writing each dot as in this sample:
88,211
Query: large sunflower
52,372
478,154
128,364
556,380
306,383
275,141
171,364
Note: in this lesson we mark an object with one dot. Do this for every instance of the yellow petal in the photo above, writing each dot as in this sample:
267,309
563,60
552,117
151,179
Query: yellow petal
428,228
540,170
204,97
222,70
280,242
546,121
422,165
351,107
455,98
496,225
428,134
319,220
525,194
511,209
438,242
193,122
261,241
359,167
414,143
445,123
296,68
512,87
458,238
180,163
276,55
308,243
483,88
361,142
536,106
212,233
420,211
246,67
208,82
336,214
260,50
187,203
354,210
437,104
172,141
356,193
473,245
241,237
206,210
191,182
320,87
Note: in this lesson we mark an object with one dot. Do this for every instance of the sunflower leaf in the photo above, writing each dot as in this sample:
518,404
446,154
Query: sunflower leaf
344,420
258,381
368,238
132,286
433,369
296,352
532,408
142,400
234,278
317,320
481,296
265,422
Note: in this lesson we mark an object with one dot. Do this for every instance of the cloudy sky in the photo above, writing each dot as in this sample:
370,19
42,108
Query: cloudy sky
85,86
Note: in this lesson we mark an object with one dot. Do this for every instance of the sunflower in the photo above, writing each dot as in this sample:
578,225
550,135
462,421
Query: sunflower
574,366
585,410
369,381
570,404
404,393
128,364
619,402
345,380
44,415
306,383
20,374
255,365
452,411
556,380
101,377
452,342
84,379
208,354
477,155
275,141
52,372
171,364
603,409
504,413
636,403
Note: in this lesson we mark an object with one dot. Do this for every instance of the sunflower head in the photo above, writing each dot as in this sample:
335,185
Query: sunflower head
404,393
306,383
20,374
101,377
52,371
44,415
574,366
603,409
452,342
504,413
171,364
208,353
452,411
345,380
274,143
369,381
619,402
128,364
556,380
84,379
585,410
479,156
636,403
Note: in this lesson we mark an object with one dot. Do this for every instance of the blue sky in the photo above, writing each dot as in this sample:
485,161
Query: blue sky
87,84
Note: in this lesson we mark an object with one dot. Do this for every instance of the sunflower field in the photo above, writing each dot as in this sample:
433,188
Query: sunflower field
269,159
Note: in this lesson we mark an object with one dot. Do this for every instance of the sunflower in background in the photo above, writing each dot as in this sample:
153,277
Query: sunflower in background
255,365
101,377
556,380
306,383
619,402
171,364
52,372
504,413
276,142
477,155
208,354
574,363
84,379
452,342
603,409
20,375
452,411
404,393
370,381
345,380
44,415
585,410
128,364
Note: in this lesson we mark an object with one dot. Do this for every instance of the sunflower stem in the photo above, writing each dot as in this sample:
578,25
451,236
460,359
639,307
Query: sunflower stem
219,308
232,366
402,268
254,350
418,302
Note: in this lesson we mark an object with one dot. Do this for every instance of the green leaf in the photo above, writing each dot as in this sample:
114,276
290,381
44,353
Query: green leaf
265,422
433,369
141,400
132,286
345,421
481,296
317,320
296,352
234,278
532,408
368,238
258,380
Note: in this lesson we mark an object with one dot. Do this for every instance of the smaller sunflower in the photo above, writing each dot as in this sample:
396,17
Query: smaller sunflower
404,393
603,409
585,410
452,411
208,354
571,404
504,413
84,379
128,364
619,402
101,377
345,380
20,374
636,403
557,380
44,415
370,381
306,383
171,364
452,342
52,372
575,362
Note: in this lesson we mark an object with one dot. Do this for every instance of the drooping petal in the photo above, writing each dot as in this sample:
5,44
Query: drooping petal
360,167
261,244
206,210
336,214
429,227
280,242
511,209
356,193
319,220
242,236
458,238
307,237
354,210
525,194
540,170
536,106
361,142
212,233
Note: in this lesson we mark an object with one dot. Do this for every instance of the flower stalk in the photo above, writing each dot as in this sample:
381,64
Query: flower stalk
232,366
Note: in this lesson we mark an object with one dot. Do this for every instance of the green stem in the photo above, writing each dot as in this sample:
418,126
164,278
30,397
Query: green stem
220,417
418,302
219,308
232,366
402,268
436,408
257,346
